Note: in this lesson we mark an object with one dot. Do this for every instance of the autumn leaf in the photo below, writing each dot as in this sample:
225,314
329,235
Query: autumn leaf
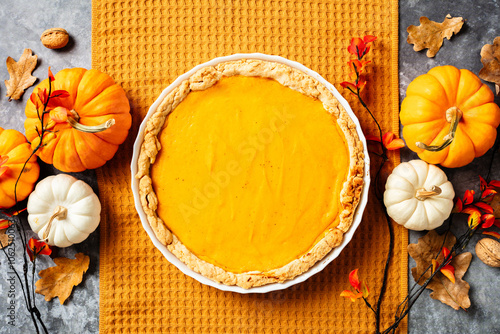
492,233
495,205
37,247
351,295
490,57
59,114
359,46
469,197
6,223
454,294
354,280
20,74
425,250
444,290
391,142
474,219
58,281
4,239
429,34
484,206
488,220
361,290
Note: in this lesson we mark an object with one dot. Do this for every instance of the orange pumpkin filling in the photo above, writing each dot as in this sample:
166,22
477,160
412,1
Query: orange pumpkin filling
250,173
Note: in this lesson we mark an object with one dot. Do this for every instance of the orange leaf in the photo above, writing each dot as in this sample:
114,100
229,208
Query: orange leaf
488,220
361,82
36,100
357,46
470,210
387,138
36,247
396,144
51,76
373,138
4,224
365,290
348,294
357,66
493,234
488,192
446,252
58,281
391,142
59,93
369,38
474,220
449,272
59,114
483,183
435,264
354,280
485,207
349,85
494,183
469,197
459,205
42,95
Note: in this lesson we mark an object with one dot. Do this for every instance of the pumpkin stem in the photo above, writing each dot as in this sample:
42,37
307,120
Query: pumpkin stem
74,118
423,194
453,116
59,213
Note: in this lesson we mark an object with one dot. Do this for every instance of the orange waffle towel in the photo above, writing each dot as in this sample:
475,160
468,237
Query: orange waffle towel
144,45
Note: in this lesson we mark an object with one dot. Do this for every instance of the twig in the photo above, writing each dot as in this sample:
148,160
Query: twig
495,149
30,296
386,271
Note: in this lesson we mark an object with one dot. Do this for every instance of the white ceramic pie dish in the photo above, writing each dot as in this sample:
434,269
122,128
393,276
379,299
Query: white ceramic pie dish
320,265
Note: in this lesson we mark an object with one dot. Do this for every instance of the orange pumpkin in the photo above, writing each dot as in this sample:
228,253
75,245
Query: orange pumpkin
98,120
449,116
14,152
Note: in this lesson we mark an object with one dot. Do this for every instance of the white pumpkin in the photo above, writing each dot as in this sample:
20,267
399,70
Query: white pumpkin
418,195
63,210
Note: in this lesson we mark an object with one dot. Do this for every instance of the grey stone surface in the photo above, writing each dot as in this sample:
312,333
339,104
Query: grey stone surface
22,23
462,51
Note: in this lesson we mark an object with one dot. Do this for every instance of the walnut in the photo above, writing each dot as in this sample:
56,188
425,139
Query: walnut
55,38
488,251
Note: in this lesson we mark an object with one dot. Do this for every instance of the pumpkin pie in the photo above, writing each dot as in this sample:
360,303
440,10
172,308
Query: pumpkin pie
250,172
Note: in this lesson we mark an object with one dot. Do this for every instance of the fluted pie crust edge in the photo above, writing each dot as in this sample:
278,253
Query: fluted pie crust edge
289,77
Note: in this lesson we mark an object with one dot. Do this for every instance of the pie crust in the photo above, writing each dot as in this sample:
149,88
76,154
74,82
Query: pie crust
289,77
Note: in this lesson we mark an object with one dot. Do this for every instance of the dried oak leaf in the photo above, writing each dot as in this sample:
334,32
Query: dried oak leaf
455,295
58,281
495,205
425,250
5,240
490,57
429,34
20,74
